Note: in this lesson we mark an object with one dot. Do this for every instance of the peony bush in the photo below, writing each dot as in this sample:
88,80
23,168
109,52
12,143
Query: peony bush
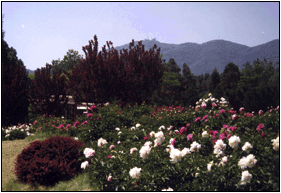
209,147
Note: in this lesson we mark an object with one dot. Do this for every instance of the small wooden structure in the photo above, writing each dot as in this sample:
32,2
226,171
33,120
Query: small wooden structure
72,109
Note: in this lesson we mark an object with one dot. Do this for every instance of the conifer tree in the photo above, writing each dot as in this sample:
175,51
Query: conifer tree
14,86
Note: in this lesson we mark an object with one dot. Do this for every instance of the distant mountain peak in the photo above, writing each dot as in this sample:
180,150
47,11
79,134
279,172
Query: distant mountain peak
203,58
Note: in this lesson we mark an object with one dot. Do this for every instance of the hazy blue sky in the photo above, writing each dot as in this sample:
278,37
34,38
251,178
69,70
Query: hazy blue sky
41,32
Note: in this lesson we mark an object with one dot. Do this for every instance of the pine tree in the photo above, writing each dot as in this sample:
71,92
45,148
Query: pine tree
14,86
215,80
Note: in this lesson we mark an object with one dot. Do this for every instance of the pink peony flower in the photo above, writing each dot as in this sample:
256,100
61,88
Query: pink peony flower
111,147
89,115
249,115
197,119
40,128
228,136
234,116
205,117
204,105
160,117
259,127
85,122
145,138
61,127
189,137
35,122
225,126
222,111
222,136
183,130
173,142
214,105
68,126
263,134
93,107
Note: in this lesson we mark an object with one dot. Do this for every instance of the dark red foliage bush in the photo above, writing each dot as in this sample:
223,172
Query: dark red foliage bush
49,161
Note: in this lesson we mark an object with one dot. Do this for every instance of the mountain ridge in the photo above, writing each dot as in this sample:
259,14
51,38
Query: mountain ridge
203,58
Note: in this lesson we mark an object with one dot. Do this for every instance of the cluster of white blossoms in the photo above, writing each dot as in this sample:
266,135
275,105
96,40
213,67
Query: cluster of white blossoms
133,149
136,127
248,161
194,147
144,151
246,146
84,164
159,138
219,147
102,142
176,154
88,152
205,134
275,143
135,172
169,189
246,177
234,141
203,102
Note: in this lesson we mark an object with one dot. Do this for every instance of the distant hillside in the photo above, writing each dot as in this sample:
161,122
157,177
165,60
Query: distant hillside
203,58
30,71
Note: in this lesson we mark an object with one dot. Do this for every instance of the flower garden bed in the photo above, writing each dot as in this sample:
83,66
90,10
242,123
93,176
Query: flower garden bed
209,147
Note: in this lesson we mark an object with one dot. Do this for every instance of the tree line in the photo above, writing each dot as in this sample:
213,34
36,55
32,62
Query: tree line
130,76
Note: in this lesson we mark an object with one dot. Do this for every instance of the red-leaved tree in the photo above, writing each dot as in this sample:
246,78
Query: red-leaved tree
130,76
47,92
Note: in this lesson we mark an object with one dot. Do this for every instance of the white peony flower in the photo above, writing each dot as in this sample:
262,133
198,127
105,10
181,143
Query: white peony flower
185,151
194,147
246,146
84,164
209,165
243,163
205,134
275,143
138,125
162,127
101,142
246,177
169,189
220,144
170,147
148,143
119,133
133,149
175,155
234,141
159,134
219,153
251,161
135,172
88,152
144,151
117,129
133,128
152,133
